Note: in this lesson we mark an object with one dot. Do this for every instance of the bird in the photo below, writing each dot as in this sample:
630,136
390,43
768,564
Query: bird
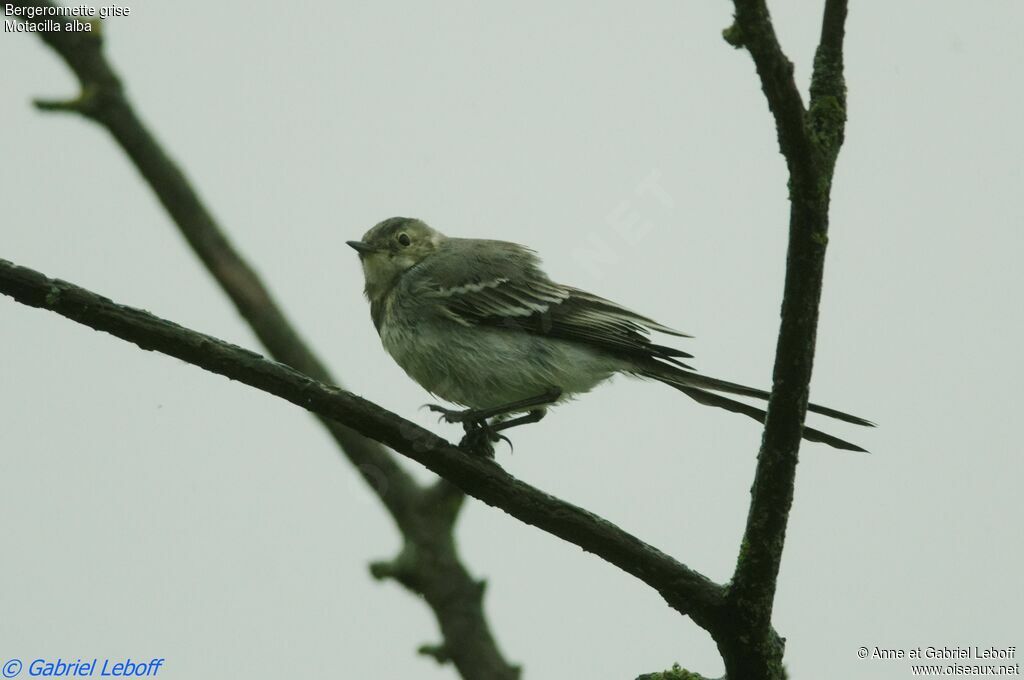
479,324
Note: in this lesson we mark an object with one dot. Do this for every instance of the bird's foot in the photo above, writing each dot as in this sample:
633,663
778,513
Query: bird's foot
477,416
480,435
467,416
480,439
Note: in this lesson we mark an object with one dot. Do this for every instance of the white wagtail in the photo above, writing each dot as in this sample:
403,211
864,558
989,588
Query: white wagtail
477,323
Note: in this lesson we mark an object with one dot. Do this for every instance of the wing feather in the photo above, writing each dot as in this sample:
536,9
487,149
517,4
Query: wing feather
537,305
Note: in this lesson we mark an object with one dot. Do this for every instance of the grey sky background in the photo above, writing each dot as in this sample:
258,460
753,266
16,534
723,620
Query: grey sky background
152,509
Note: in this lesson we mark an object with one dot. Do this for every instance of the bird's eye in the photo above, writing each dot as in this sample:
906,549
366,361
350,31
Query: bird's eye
404,239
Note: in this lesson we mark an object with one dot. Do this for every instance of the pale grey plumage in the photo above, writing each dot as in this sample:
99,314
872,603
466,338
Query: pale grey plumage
478,323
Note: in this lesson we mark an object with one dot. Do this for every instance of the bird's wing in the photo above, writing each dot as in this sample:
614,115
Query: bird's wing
515,294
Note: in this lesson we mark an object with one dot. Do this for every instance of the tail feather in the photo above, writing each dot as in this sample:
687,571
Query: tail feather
697,387
716,385
810,434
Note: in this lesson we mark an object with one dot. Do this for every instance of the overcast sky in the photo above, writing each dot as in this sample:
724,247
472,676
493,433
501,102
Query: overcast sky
152,509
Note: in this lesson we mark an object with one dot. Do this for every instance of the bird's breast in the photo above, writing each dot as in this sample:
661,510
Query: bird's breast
484,367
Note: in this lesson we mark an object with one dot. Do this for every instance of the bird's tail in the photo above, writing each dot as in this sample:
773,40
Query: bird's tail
703,389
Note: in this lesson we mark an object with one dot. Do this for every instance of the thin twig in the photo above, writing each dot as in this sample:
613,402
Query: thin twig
827,114
753,30
810,141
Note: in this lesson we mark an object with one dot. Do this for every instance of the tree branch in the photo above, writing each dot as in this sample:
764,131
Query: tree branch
739,617
753,30
810,142
827,115
686,590
426,524
674,673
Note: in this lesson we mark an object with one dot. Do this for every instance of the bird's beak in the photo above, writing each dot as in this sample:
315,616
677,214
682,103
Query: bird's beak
361,247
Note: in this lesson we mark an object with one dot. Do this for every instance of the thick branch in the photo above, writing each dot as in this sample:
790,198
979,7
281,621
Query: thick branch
426,517
810,142
684,589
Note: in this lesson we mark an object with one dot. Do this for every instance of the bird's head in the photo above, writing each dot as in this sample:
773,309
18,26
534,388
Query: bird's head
392,248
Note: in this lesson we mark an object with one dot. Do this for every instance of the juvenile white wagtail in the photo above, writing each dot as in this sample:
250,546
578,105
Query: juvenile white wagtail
477,323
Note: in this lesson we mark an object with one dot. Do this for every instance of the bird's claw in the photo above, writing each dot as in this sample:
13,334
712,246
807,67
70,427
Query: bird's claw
451,415
479,439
